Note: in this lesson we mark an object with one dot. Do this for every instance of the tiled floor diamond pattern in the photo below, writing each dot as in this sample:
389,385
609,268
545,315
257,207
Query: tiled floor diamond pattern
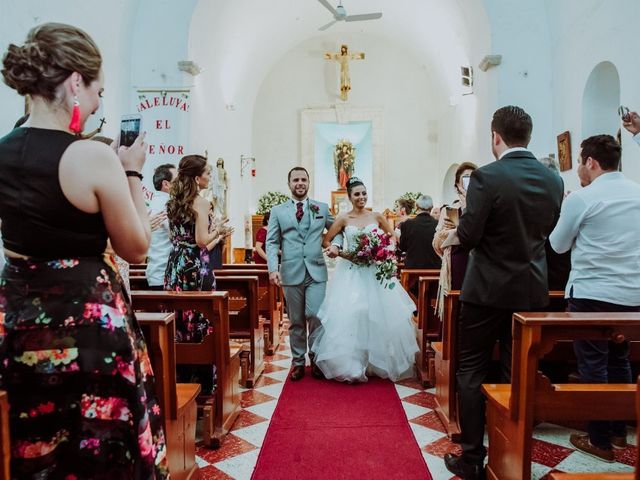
237,457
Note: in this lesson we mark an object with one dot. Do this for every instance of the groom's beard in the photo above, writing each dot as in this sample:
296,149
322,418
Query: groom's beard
299,194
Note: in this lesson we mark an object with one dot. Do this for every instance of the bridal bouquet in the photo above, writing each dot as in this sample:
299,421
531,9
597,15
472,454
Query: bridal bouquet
375,248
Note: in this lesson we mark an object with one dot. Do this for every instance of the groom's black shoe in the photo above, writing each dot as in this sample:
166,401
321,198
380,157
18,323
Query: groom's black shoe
466,471
297,372
316,372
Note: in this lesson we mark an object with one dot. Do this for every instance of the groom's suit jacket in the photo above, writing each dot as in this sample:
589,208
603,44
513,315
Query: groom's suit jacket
300,242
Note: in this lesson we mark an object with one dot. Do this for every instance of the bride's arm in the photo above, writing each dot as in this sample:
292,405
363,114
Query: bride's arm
384,224
336,228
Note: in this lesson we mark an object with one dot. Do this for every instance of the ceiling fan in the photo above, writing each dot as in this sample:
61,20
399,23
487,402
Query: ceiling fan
340,14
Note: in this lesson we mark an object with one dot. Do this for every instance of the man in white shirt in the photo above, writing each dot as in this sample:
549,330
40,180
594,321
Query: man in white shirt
631,123
160,247
600,223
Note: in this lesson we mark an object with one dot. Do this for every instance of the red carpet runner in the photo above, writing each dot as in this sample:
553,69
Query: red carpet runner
328,430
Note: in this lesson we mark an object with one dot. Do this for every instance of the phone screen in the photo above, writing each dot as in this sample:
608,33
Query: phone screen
465,182
129,130
453,214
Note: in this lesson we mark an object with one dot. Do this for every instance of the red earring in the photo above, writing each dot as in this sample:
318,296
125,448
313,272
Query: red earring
74,124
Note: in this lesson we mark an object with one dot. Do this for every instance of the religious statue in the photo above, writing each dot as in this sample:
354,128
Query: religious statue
216,192
344,159
343,59
220,185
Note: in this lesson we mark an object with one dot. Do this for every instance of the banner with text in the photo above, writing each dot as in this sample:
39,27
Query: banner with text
165,118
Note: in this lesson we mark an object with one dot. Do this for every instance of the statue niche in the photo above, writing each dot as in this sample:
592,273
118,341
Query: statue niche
344,159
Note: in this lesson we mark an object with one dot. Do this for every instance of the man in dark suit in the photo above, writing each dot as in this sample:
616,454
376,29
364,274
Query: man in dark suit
416,237
512,206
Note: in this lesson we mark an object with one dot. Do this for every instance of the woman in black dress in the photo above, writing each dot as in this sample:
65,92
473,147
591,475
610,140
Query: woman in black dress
72,356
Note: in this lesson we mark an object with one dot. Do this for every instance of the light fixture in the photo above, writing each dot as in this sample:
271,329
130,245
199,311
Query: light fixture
490,61
189,67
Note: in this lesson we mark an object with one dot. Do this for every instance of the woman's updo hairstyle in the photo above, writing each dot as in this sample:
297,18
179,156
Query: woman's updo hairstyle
51,52
352,183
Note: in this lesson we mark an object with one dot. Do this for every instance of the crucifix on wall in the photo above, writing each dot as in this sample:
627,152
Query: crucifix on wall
343,58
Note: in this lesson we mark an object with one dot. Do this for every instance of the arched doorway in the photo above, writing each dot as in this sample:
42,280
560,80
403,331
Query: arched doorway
600,101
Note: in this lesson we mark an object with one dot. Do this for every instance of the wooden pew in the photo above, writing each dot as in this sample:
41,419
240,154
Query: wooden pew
245,323
410,276
429,328
513,409
267,304
445,359
609,475
446,363
247,266
177,400
214,350
5,442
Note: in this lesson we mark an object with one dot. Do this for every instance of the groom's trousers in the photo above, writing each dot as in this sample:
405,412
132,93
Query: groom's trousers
303,303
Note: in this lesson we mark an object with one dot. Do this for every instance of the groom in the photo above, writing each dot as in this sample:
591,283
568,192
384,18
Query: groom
295,228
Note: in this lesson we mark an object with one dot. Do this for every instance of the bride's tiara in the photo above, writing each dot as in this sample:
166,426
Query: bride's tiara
353,180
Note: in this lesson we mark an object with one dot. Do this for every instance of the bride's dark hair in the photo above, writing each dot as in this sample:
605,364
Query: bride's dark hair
352,183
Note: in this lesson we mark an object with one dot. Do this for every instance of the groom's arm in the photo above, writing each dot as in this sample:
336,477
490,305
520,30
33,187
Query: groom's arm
272,243
337,241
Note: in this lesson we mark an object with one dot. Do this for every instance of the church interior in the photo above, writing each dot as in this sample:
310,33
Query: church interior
399,99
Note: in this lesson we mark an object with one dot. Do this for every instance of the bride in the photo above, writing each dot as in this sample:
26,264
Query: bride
367,328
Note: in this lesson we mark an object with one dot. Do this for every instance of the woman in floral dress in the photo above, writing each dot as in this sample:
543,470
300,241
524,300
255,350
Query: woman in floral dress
72,356
193,233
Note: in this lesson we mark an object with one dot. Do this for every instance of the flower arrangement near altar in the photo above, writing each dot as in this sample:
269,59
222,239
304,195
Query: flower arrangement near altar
375,248
269,200
414,196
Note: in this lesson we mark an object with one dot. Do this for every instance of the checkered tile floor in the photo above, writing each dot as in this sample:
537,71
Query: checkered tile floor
237,457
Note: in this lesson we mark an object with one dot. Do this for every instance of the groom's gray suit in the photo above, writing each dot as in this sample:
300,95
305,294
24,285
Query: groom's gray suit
303,271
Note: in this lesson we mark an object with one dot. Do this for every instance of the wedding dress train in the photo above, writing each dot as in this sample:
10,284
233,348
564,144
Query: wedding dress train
367,329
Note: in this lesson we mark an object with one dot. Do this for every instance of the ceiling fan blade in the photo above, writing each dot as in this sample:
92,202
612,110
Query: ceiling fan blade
329,7
324,27
364,16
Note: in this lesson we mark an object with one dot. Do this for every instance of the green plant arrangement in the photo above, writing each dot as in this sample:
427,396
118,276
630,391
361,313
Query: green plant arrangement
269,200
414,196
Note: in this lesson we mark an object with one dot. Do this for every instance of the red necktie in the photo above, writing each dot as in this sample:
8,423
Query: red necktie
299,212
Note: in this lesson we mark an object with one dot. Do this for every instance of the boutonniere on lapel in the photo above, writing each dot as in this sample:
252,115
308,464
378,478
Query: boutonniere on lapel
315,209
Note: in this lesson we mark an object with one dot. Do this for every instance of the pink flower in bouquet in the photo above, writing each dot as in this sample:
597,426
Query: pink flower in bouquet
376,249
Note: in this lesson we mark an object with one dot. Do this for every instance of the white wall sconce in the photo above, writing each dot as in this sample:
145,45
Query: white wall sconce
490,61
189,66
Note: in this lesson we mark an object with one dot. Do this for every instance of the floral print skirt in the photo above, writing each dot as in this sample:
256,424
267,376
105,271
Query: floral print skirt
188,270
78,375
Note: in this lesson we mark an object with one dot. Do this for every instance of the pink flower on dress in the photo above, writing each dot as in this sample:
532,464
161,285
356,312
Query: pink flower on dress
145,442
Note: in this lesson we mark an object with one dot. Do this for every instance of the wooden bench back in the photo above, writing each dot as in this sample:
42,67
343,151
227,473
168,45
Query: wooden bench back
535,334
243,302
158,329
410,276
266,291
244,266
213,305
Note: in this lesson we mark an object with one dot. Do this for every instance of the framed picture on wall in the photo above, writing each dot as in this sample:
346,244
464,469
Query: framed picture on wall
339,202
564,151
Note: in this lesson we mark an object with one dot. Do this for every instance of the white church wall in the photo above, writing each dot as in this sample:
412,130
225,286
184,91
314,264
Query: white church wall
302,78
584,34
520,34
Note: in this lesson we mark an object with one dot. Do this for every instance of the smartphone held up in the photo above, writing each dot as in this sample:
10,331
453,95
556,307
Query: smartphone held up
130,128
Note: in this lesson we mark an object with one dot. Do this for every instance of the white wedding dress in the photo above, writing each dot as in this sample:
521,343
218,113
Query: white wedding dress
367,329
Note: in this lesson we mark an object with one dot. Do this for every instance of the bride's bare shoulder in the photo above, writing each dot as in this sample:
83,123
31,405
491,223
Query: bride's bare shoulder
379,217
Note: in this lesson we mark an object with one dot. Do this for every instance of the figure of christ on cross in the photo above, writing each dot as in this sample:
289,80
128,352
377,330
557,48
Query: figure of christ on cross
343,59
